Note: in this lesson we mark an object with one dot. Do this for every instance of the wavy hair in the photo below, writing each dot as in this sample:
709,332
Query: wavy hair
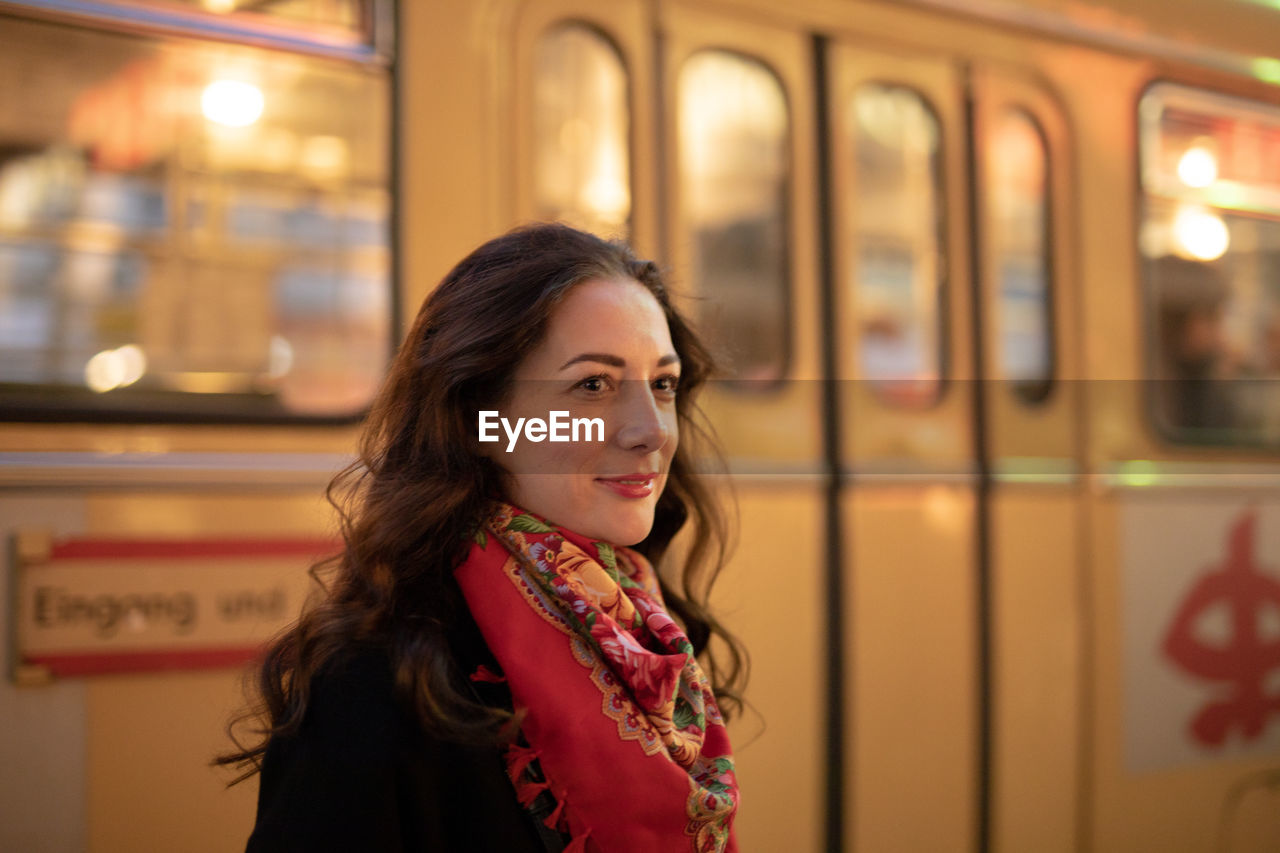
418,489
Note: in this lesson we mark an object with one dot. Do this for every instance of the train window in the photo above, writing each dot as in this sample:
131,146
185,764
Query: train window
581,131
1210,242
336,27
899,267
1018,217
189,230
735,179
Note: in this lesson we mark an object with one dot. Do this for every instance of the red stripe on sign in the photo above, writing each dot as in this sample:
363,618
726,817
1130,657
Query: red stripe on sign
109,549
94,663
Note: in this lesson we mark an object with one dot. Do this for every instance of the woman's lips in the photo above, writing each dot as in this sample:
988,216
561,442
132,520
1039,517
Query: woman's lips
629,485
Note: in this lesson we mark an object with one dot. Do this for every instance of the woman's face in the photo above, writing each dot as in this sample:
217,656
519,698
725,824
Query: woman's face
607,354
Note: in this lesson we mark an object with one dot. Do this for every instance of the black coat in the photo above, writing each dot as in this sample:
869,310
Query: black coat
362,776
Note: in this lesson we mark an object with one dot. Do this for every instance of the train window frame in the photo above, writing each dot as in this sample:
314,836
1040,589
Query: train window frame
1154,191
883,390
372,41
46,402
1037,393
740,386
560,24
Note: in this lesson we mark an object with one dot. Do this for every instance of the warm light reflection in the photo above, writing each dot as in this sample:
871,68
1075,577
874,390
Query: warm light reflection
219,6
1138,472
115,368
1198,167
324,156
606,196
279,357
134,361
1200,233
232,103
581,124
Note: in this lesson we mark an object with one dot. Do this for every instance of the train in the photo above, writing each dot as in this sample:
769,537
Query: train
997,289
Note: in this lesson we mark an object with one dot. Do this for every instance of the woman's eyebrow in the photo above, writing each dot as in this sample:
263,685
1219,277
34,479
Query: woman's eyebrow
603,358
614,361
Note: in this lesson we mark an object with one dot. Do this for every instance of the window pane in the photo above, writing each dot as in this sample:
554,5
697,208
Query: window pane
189,228
735,180
306,24
899,267
340,14
1019,228
1211,246
581,131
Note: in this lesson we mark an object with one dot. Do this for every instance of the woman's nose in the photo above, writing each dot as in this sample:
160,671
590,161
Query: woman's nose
645,420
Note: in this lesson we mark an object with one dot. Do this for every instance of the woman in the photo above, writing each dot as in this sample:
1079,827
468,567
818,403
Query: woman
493,666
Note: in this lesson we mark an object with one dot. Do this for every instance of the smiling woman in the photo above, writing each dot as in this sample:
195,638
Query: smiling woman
495,641
608,353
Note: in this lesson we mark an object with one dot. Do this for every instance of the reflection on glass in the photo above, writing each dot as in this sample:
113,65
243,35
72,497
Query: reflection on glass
581,130
1018,217
1215,351
336,14
734,184
898,270
1210,240
159,241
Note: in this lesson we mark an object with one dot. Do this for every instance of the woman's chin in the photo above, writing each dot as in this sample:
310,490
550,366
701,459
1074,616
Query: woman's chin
621,528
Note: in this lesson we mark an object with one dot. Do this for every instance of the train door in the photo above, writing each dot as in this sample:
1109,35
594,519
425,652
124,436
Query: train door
684,129
739,189
1030,403
903,354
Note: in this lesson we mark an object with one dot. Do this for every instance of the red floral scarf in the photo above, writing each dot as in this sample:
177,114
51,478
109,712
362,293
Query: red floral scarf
618,713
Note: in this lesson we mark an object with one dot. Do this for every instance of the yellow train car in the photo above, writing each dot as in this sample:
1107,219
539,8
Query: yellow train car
997,285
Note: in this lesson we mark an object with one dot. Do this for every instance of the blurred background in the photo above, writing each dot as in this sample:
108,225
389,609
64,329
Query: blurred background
996,284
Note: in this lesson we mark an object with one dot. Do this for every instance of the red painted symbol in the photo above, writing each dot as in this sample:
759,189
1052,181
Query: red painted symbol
1247,658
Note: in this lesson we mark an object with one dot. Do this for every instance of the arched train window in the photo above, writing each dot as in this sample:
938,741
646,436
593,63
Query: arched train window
735,180
899,268
581,131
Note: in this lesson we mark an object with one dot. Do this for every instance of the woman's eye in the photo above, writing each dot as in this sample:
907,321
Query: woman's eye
594,384
667,384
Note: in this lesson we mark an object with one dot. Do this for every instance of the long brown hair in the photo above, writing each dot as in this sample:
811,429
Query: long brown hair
418,489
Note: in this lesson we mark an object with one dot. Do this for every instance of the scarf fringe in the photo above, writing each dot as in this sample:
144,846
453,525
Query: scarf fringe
488,676
553,819
519,757
559,821
527,792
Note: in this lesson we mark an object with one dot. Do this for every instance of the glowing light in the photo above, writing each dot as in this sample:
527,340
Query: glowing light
1139,473
324,156
232,103
607,197
220,6
115,368
1266,68
1200,233
1198,167
134,361
104,371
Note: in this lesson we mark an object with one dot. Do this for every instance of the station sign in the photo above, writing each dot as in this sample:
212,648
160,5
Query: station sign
94,606
1201,613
